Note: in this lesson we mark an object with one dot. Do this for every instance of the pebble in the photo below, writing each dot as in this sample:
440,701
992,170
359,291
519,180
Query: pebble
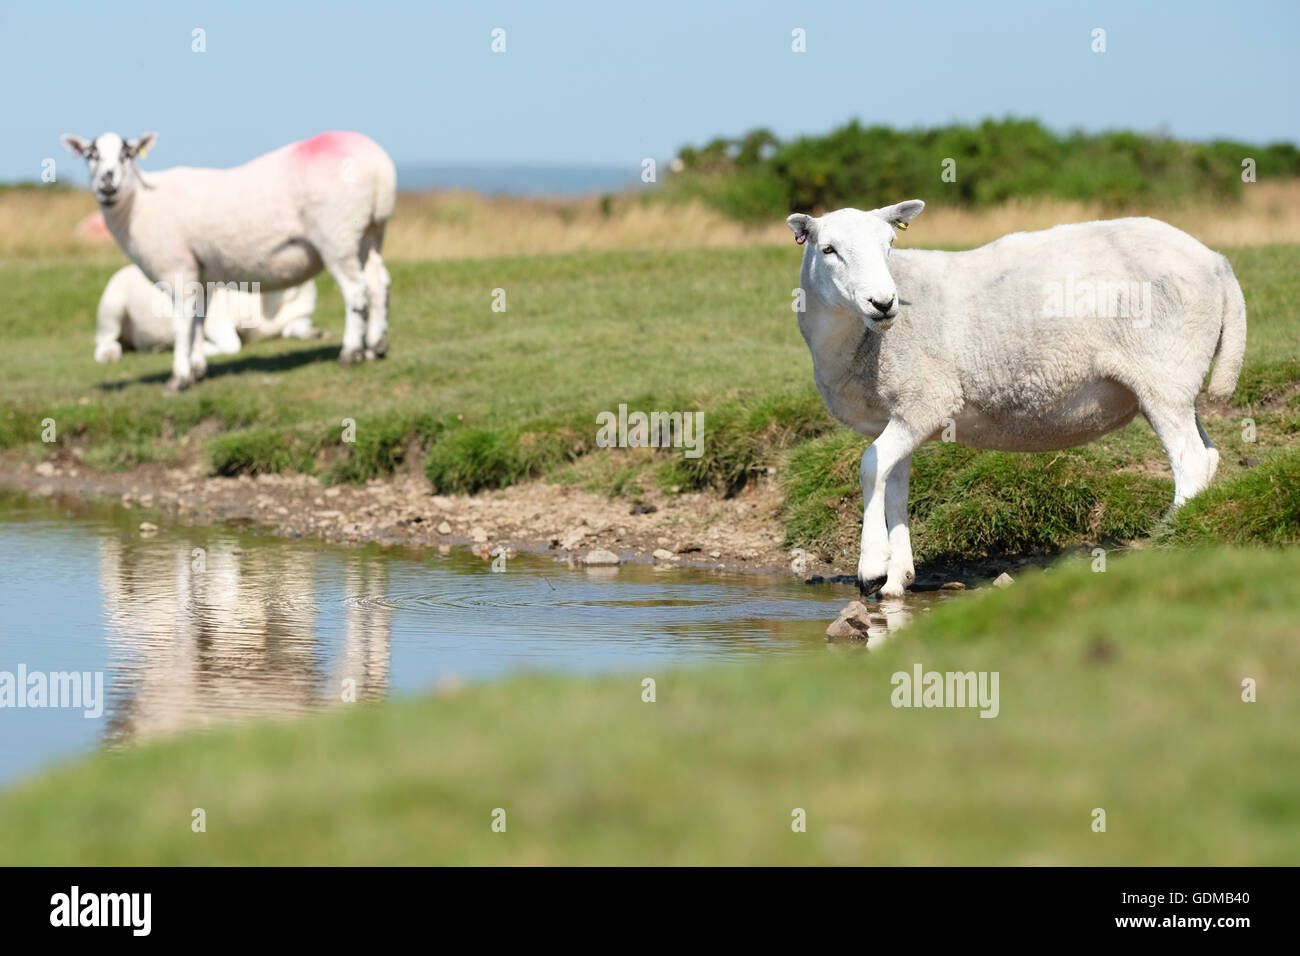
852,623
1003,580
600,558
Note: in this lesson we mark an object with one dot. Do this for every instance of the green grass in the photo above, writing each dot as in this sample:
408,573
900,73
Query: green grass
481,399
1119,690
1261,506
968,504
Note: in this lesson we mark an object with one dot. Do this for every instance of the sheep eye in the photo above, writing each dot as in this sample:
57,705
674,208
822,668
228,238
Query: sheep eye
829,250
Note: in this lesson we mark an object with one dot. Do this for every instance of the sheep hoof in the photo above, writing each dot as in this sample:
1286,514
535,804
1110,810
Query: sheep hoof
353,357
378,350
175,385
869,586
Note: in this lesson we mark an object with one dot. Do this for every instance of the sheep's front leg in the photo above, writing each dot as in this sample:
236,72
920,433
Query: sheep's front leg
184,312
894,446
901,571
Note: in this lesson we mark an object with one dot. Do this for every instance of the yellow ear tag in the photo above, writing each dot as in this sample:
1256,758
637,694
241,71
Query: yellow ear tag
143,153
902,225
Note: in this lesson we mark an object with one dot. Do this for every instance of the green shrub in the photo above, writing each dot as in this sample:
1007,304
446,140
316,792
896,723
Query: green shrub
756,177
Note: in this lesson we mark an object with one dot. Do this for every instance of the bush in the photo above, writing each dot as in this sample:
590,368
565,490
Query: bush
756,177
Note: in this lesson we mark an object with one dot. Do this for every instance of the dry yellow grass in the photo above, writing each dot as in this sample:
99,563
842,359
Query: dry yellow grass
1269,213
36,223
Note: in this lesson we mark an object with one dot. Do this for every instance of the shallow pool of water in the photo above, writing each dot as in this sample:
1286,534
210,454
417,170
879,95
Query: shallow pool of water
200,625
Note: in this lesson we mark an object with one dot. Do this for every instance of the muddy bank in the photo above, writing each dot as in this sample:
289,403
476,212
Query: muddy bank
702,530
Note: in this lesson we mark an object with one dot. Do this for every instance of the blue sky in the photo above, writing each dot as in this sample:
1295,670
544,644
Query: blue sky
610,83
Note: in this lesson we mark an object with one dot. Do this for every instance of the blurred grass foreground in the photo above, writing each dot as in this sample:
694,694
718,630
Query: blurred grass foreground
1164,693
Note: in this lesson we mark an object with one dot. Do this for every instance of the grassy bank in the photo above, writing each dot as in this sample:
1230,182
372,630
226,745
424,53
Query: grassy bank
1119,690
478,398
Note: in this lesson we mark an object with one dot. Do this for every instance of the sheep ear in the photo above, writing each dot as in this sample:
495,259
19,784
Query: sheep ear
74,144
900,214
141,146
801,224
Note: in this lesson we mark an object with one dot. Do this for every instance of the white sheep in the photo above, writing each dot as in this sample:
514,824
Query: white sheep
1035,342
278,220
135,314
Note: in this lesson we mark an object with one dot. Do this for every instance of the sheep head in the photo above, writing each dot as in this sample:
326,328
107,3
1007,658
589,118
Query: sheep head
111,161
846,259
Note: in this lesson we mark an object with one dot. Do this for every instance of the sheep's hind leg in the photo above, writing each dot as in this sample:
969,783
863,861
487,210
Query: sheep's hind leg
351,281
377,284
894,446
1192,461
1210,449
198,355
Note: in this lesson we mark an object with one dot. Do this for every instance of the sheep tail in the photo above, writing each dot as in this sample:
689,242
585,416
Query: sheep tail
1232,339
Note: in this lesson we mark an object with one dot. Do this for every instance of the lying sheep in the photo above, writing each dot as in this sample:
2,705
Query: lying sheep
134,314
1035,342
277,220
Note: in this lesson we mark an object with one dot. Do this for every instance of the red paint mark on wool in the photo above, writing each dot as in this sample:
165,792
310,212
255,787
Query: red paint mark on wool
326,145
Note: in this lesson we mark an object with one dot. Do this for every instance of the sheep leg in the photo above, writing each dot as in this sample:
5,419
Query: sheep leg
377,283
894,446
351,281
1181,435
1210,450
198,356
220,336
108,325
301,328
184,309
901,570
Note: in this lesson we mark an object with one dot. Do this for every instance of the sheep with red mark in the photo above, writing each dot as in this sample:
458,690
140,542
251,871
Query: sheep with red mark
278,220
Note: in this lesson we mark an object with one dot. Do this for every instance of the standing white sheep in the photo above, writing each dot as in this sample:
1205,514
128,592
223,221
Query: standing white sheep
1035,342
278,220
135,314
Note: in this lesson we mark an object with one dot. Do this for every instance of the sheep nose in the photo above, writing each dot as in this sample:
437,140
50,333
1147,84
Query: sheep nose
882,306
